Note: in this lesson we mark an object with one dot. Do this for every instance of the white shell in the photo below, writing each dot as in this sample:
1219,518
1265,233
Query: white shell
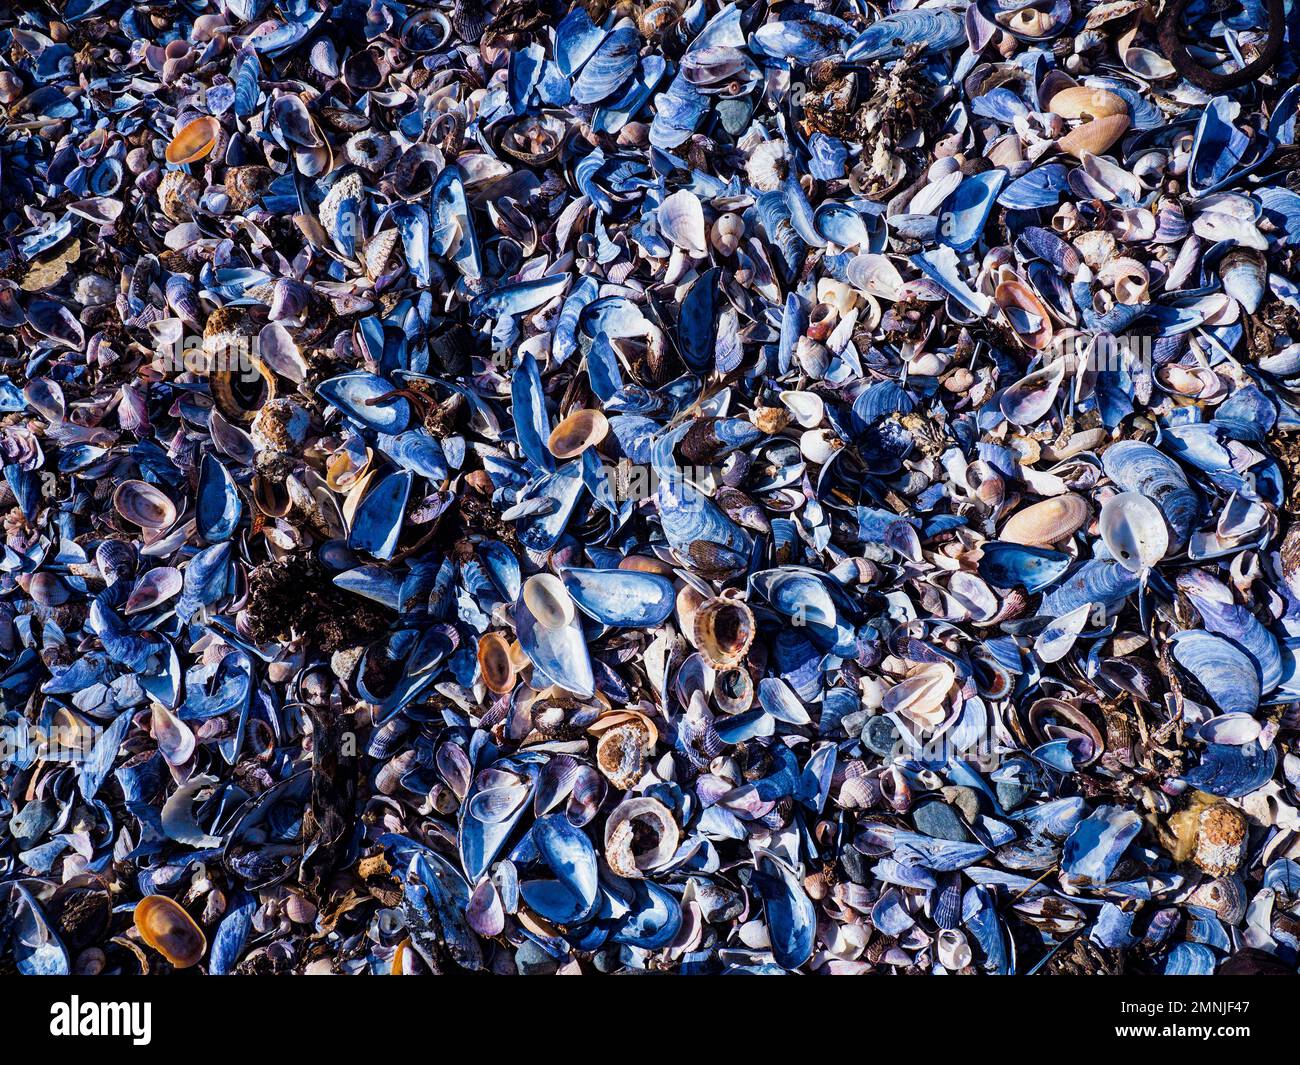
953,949
681,220
652,816
1134,531
921,697
807,408
548,600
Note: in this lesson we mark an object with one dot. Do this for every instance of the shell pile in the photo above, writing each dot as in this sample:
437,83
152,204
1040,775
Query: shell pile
672,485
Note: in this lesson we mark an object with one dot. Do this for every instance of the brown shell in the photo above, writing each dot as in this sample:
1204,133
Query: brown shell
658,17
1095,136
165,926
1080,101
495,664
178,194
647,564
582,429
1047,521
1222,833
195,141
244,184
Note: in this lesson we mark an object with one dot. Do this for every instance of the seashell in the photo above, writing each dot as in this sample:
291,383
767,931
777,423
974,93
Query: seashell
962,215
1086,102
1127,278
681,220
1233,771
953,949
582,429
174,738
658,18
726,233
154,588
365,397
1224,895
819,445
922,696
1009,565
165,926
1094,848
1134,531
807,408
370,150
548,600
144,505
1031,322
194,141
1094,136
933,29
733,690
1138,467
621,597
609,67
1190,959
640,837
620,755
1222,834
723,629
1047,522
535,139
1221,668
1245,277
495,663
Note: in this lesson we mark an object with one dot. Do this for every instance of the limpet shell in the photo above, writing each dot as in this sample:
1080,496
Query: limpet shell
723,629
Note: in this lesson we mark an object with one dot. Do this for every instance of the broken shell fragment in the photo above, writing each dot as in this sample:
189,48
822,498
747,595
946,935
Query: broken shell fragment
640,837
